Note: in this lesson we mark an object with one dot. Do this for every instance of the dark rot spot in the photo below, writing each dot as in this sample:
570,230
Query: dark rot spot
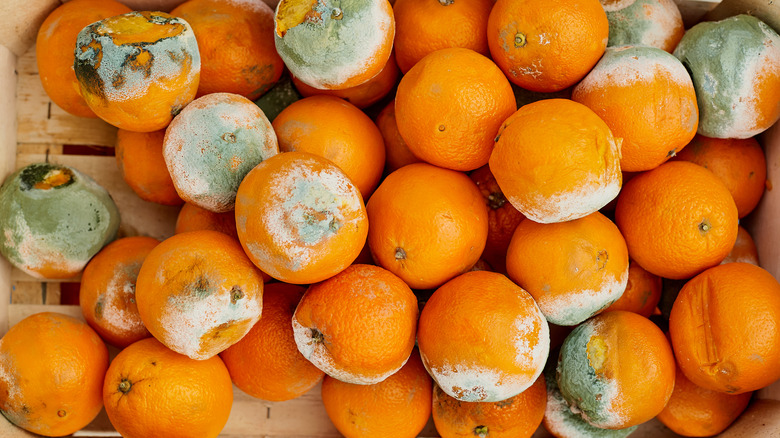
229,137
400,254
602,258
672,153
86,65
481,431
496,200
141,60
125,386
99,310
176,109
61,413
45,176
236,294
317,336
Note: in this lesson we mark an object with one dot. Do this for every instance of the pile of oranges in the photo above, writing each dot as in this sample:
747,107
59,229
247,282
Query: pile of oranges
463,209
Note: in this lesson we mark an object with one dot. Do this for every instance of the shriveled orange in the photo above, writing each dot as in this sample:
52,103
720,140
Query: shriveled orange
678,219
428,224
547,46
107,292
483,338
739,163
573,269
642,294
397,153
198,293
646,97
54,45
139,156
358,326
515,417
193,218
300,218
424,26
723,326
51,374
450,105
266,362
556,160
695,411
150,390
744,250
236,44
337,130
398,407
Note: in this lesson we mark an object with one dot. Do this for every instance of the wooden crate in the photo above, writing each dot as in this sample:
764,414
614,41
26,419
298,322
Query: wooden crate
33,129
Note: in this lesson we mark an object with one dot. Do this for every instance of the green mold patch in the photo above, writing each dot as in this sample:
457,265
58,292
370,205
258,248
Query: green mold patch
643,22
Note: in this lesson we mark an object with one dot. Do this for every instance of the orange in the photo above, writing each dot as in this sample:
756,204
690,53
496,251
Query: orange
193,218
397,153
739,163
556,160
643,292
337,130
54,45
51,374
744,250
266,363
655,23
139,156
398,407
449,107
428,224
198,293
150,390
424,26
573,269
363,95
236,44
300,218
334,45
547,46
678,219
723,326
137,70
107,292
646,97
695,411
616,369
515,417
358,326
483,338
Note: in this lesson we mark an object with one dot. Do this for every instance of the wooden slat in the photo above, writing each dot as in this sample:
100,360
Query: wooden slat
25,292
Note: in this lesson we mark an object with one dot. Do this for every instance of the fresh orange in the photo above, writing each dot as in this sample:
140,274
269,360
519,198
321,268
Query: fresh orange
616,369
695,411
449,107
358,326
739,163
724,325
300,218
483,338
107,292
198,293
428,224
573,269
54,45
515,417
150,390
397,153
337,130
425,26
646,97
655,23
334,45
137,70
139,156
236,44
556,160
51,374
547,46
643,292
266,362
398,407
193,218
744,250
678,219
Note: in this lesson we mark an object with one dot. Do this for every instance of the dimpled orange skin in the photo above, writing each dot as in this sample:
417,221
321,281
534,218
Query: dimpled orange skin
107,292
266,363
678,219
449,107
642,294
167,391
515,417
398,407
744,250
140,159
51,367
724,325
428,224
397,153
547,46
366,321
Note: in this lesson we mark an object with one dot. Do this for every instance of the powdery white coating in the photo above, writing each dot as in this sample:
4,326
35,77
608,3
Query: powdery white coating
575,307
14,396
616,5
326,53
118,317
631,66
34,256
570,205
532,355
254,6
